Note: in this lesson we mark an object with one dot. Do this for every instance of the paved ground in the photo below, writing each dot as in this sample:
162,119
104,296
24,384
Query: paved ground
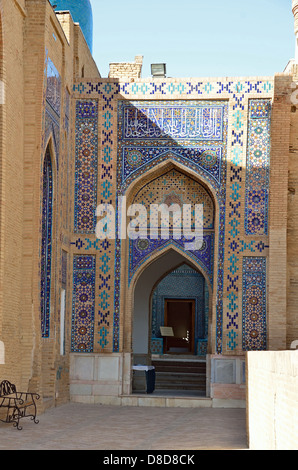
96,427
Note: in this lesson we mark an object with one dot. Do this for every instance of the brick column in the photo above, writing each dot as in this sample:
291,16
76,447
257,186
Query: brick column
277,275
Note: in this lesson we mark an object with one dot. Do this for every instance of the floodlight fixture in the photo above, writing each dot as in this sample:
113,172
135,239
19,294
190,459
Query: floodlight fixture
158,70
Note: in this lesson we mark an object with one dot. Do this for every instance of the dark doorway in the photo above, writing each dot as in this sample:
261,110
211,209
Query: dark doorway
180,316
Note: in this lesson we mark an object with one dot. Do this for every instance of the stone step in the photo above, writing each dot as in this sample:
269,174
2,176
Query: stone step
180,376
179,366
178,381
181,361
179,369
181,381
167,386
180,386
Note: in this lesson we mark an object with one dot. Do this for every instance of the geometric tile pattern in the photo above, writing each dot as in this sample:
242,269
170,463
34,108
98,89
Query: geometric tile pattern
105,296
202,346
255,211
254,304
236,89
86,166
133,161
190,132
141,250
205,159
173,187
257,168
82,331
230,320
108,312
156,346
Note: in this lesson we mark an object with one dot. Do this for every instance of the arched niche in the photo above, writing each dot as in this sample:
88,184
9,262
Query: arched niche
148,277
46,240
133,293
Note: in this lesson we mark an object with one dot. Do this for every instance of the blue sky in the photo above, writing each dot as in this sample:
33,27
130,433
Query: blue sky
195,38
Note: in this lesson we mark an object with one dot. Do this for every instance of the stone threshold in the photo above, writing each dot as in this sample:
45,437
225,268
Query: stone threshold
165,400
177,358
170,401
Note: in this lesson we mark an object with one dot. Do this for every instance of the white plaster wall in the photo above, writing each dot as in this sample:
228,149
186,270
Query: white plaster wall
272,400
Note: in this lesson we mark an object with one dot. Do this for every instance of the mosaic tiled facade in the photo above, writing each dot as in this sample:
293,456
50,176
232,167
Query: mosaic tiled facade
86,166
254,304
198,140
82,336
170,188
194,134
213,139
257,168
72,140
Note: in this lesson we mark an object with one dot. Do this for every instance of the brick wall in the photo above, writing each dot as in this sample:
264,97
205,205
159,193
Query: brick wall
292,223
31,32
278,214
127,69
11,196
2,94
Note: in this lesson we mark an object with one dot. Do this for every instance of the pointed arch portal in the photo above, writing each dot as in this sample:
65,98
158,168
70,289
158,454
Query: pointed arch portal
150,260
156,287
46,243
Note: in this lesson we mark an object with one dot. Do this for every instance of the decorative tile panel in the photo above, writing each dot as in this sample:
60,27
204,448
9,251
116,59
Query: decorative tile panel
188,147
191,121
139,153
156,346
257,168
141,250
202,347
173,187
135,160
82,334
109,306
202,151
254,304
86,166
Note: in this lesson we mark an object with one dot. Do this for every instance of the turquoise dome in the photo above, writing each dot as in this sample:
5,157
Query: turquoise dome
81,12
